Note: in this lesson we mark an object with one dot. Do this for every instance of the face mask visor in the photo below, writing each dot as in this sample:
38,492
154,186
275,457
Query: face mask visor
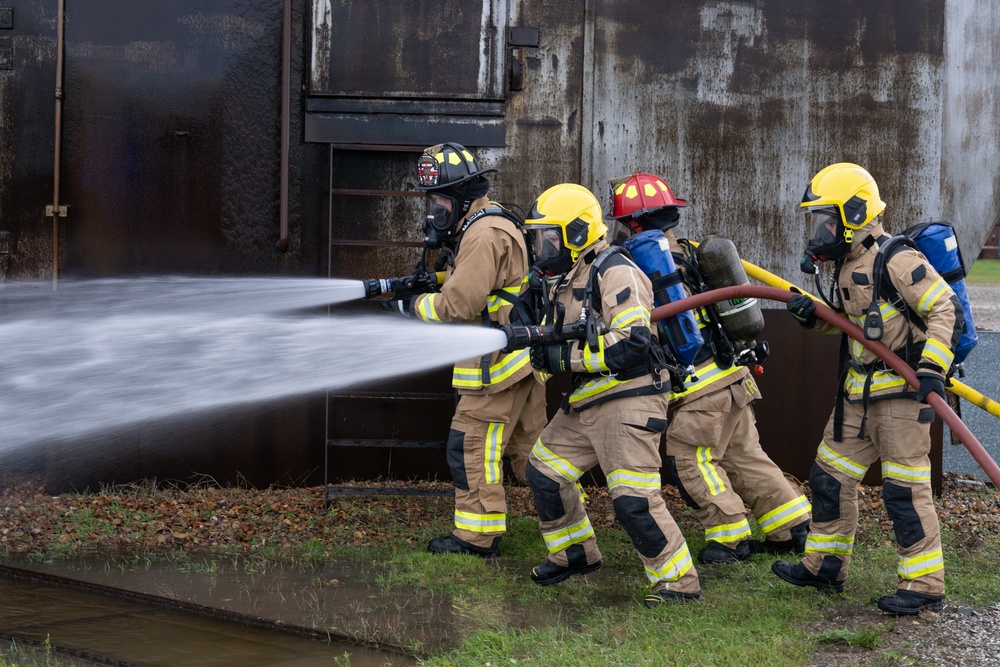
827,243
551,255
438,222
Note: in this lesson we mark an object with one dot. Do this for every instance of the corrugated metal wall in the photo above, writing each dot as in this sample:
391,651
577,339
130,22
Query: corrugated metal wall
172,134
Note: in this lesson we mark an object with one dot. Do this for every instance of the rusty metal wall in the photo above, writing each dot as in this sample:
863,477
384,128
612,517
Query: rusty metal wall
172,139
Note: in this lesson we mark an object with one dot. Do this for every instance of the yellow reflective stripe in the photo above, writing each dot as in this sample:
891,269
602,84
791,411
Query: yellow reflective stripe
931,296
494,440
426,310
628,316
506,366
633,479
481,523
495,303
563,468
708,471
937,352
706,376
784,514
593,360
887,310
841,463
921,564
728,532
676,567
593,388
919,475
558,540
855,383
830,544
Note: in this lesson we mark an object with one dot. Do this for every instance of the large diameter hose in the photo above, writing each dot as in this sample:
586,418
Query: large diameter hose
939,404
959,389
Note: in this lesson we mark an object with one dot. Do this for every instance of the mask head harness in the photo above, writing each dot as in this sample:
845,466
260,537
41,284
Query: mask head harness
450,176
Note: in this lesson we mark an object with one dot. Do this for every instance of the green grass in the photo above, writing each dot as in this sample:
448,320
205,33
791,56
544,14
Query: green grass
984,272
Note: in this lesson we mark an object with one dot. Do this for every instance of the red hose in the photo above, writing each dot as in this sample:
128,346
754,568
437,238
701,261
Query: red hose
826,314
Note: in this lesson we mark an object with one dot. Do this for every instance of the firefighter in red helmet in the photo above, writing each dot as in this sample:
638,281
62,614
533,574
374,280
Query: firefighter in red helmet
501,406
713,450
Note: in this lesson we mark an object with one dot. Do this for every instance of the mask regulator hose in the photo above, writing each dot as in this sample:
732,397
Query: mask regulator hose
827,314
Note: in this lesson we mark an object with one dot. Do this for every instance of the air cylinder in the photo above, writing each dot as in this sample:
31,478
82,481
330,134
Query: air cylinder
720,266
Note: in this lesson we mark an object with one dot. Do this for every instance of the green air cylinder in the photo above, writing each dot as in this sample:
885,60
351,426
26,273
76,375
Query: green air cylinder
720,266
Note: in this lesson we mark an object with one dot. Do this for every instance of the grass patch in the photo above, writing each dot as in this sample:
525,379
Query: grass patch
984,272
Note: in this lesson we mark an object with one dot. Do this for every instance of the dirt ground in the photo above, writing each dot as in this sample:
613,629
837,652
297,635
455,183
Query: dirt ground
985,300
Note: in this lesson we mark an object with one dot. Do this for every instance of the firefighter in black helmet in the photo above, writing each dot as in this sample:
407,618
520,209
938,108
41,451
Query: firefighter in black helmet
501,407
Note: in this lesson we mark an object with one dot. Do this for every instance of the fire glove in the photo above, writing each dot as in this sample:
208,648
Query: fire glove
552,358
803,309
402,307
929,383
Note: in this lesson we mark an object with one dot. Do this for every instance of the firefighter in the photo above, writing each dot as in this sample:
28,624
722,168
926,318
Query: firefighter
877,414
501,406
713,451
614,414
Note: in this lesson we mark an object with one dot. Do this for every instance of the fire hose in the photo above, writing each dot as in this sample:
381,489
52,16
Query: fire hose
826,314
955,387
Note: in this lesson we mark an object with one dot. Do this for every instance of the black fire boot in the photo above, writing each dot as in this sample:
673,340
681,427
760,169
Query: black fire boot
449,544
549,573
797,575
796,544
664,595
909,603
715,553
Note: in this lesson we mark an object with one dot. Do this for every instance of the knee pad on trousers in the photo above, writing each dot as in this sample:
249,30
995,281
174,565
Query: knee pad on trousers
676,479
905,521
548,501
825,494
633,514
455,454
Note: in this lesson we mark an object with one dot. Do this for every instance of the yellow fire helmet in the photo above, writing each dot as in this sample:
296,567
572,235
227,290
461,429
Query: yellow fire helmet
849,188
574,210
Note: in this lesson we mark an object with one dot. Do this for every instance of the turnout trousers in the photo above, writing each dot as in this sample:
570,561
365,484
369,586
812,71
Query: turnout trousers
623,437
485,428
898,430
715,457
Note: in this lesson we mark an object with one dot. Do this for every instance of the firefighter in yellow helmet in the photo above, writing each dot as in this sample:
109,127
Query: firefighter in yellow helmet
613,415
877,414
501,406
713,449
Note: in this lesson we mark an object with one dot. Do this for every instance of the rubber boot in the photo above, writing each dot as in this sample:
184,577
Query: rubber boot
797,575
909,603
549,573
663,595
796,544
715,553
449,544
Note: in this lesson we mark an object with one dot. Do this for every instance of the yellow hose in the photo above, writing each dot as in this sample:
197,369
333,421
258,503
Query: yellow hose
954,386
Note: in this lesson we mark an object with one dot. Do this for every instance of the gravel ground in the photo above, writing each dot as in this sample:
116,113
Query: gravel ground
985,300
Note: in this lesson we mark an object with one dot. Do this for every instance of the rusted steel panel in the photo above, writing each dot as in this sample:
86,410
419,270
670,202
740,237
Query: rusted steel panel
737,104
393,48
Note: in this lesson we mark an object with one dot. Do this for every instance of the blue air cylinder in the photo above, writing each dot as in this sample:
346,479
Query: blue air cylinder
650,251
937,242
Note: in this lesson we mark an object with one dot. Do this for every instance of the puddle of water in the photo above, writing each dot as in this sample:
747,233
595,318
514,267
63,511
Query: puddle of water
335,598
135,633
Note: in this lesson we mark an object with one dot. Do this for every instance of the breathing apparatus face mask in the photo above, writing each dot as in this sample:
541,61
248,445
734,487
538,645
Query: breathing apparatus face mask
827,243
440,221
552,257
